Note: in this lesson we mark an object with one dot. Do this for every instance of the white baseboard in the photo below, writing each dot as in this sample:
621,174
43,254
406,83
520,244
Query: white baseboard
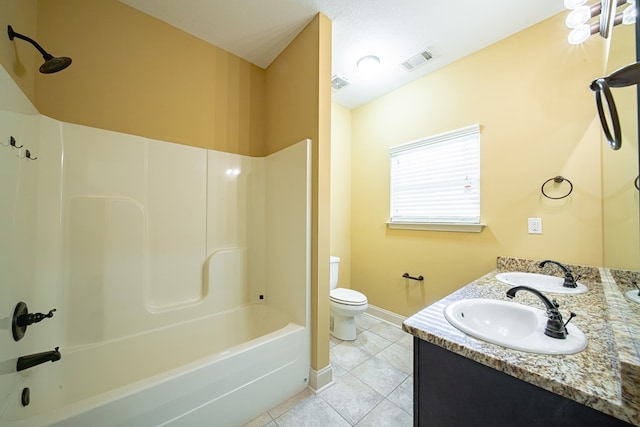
320,380
385,315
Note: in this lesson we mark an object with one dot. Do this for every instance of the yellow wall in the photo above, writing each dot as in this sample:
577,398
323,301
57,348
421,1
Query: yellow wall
341,190
530,94
135,74
298,107
19,58
620,168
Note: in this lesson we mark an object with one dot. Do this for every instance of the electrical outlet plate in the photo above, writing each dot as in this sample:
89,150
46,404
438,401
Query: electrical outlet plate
534,225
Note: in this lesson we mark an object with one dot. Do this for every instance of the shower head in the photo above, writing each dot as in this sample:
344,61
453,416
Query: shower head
51,64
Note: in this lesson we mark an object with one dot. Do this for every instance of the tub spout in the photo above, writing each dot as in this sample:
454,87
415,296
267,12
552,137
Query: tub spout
31,360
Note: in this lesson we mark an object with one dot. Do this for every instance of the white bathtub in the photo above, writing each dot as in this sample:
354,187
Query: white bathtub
221,370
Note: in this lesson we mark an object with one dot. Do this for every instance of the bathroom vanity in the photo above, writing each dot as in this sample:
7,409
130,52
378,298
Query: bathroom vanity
463,381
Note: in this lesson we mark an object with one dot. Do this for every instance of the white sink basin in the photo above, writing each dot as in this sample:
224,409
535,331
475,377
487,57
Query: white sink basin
632,296
541,282
511,325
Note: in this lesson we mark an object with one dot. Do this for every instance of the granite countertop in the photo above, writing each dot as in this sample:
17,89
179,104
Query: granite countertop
605,376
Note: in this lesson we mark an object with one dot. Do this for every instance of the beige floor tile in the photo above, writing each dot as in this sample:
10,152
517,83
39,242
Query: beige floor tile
333,341
399,357
338,371
314,412
299,398
406,342
380,375
371,343
351,398
364,322
263,420
386,414
403,395
388,331
347,355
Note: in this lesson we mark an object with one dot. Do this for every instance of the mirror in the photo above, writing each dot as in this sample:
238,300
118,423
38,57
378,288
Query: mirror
621,203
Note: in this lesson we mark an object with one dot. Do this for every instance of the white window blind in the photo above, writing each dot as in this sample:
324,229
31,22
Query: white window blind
437,179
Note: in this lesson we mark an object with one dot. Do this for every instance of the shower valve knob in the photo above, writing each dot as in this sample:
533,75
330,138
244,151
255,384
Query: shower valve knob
22,318
31,318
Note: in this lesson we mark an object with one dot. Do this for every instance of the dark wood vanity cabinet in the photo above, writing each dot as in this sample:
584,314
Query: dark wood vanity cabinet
453,391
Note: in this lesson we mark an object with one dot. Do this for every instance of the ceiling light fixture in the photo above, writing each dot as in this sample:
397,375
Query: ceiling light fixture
368,66
580,15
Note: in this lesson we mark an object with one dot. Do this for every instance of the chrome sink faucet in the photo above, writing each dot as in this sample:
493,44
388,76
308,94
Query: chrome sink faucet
569,278
555,328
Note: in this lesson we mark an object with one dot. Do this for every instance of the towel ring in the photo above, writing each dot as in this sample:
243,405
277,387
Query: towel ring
557,179
637,183
601,89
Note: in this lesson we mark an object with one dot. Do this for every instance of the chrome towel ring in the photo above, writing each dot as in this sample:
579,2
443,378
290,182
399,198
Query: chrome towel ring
558,180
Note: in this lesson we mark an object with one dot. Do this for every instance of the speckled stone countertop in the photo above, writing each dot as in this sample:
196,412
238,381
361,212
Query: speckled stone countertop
605,376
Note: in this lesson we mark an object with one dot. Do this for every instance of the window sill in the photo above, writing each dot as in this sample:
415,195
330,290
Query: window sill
459,227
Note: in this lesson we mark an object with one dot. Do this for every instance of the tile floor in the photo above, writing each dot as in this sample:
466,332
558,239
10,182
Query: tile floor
372,384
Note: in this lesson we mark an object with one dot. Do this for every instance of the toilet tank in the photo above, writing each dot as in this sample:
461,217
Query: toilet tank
333,272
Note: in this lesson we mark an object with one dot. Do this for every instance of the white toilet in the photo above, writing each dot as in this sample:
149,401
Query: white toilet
345,304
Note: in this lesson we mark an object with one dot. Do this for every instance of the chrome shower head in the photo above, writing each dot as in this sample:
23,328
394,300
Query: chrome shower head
51,64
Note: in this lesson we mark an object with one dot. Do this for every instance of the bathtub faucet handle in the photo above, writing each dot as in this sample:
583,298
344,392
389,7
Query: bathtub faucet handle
30,319
22,318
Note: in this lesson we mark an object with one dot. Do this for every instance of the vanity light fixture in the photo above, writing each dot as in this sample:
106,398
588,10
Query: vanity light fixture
572,4
368,66
578,18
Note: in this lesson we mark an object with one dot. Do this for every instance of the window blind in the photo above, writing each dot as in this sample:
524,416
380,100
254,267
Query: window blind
437,179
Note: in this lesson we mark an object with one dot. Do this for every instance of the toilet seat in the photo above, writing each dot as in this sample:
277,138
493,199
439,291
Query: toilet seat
347,297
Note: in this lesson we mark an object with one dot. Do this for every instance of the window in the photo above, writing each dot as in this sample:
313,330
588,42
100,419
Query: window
435,182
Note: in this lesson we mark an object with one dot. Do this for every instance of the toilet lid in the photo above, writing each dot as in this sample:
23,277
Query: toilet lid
348,296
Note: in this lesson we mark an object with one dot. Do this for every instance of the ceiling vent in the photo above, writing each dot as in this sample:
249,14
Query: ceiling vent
338,82
417,60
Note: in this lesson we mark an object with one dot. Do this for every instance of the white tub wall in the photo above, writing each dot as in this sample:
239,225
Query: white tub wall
49,233
50,333
228,178
139,211
19,180
236,226
136,212
104,232
18,213
288,219
176,202
18,209
257,230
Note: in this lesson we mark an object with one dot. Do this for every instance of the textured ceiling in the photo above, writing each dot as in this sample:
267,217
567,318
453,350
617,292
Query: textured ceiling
393,30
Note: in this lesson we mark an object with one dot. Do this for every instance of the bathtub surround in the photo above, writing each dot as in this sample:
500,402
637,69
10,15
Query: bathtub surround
197,257
213,100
